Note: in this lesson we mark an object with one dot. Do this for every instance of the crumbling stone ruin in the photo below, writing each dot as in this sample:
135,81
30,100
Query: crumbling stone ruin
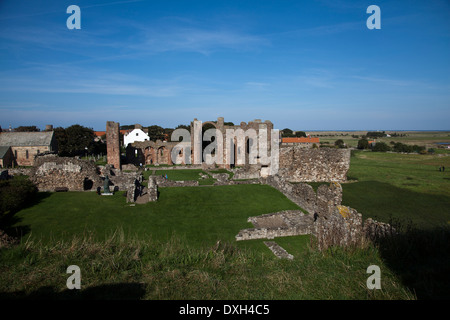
298,164
137,193
343,227
329,222
53,173
274,225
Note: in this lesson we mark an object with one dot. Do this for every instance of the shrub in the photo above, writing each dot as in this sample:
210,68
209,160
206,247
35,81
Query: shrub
381,147
363,144
339,143
14,194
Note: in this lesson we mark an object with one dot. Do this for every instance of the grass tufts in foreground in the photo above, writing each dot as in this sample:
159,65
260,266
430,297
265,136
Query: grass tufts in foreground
131,268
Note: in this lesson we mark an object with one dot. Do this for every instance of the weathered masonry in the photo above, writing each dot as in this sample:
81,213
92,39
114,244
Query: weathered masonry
112,144
296,163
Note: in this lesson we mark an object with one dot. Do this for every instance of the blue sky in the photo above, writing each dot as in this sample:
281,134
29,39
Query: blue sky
305,65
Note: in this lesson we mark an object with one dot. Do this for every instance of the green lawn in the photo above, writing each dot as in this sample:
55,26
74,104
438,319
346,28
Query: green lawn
404,186
201,215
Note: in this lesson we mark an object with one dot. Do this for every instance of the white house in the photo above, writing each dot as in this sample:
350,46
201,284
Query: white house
135,135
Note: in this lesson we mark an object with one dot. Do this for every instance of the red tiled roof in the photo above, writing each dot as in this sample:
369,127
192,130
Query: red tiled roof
300,140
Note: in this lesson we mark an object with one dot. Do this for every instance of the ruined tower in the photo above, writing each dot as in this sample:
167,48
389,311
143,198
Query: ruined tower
112,144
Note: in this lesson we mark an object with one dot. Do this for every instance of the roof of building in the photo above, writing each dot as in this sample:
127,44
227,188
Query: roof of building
308,139
3,151
26,139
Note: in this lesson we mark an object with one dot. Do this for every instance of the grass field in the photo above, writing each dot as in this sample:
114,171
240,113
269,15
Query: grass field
183,247
201,215
401,186
421,138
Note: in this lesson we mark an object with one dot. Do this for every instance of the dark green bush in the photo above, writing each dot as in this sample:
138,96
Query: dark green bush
15,194
381,147
363,144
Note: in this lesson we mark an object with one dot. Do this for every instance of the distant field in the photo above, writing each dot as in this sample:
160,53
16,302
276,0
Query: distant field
404,186
421,138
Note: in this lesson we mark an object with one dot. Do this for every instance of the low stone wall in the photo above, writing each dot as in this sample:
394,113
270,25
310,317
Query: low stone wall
320,203
119,179
269,233
375,230
20,171
279,224
51,173
235,182
163,182
278,250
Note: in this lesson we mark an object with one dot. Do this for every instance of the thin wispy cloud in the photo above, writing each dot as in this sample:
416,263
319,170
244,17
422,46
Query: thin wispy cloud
204,41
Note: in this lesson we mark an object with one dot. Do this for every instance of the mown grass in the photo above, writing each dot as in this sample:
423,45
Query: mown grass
201,214
131,268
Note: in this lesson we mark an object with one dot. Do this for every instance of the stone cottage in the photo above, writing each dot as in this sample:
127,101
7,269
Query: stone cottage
26,145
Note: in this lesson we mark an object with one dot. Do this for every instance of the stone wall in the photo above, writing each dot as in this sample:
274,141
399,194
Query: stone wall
328,196
280,224
163,182
301,194
120,180
298,164
52,172
343,227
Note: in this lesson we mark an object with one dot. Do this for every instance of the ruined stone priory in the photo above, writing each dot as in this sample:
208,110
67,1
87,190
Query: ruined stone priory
295,162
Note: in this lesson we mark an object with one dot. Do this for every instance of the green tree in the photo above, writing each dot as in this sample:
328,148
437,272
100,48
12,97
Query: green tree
286,132
363,144
300,134
156,133
75,140
27,129
375,134
183,126
381,147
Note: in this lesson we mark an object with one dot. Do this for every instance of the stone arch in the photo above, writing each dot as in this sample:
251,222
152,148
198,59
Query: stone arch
149,155
161,155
